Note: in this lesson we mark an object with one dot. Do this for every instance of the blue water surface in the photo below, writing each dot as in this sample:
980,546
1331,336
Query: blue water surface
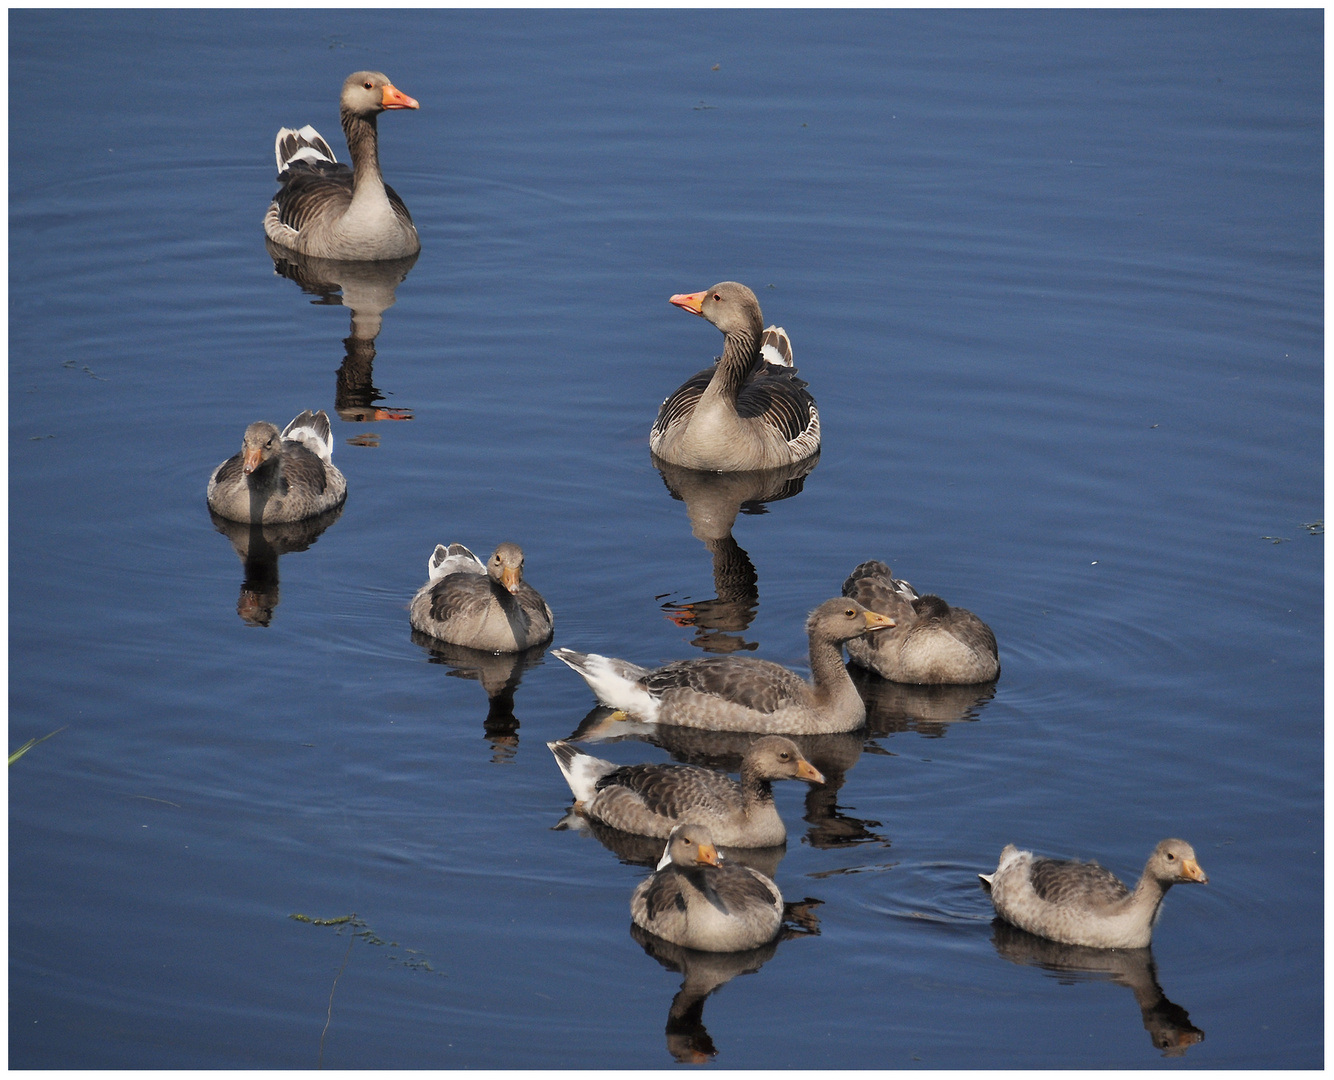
1055,279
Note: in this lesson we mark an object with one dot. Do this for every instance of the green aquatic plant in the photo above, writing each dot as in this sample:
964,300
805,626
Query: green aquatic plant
31,743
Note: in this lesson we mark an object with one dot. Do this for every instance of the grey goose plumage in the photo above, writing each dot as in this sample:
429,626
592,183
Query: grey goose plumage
483,606
748,411
1080,903
652,799
279,476
742,693
328,210
696,900
932,643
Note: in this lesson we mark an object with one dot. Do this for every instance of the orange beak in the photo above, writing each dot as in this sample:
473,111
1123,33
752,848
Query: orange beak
1191,870
708,855
876,621
807,771
690,301
250,459
394,98
509,577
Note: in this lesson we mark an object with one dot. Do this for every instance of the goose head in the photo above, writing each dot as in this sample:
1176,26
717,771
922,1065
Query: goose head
505,567
776,757
366,93
689,846
843,619
1174,861
261,442
729,305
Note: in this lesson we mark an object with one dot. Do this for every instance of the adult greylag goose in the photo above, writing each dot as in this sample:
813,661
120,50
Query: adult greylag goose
696,900
748,411
931,643
1081,903
653,799
485,606
331,211
279,476
742,693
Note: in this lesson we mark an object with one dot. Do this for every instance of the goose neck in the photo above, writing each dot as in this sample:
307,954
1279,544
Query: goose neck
363,145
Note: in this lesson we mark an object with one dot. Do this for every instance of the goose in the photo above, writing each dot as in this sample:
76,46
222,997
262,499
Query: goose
742,693
279,476
652,799
696,900
748,411
328,210
932,643
483,606
1080,903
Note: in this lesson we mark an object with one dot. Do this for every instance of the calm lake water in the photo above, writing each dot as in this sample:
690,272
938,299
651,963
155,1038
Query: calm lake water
1055,279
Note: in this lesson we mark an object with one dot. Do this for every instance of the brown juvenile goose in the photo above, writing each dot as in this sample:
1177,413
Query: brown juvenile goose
742,693
931,643
483,606
1081,903
696,900
277,477
329,210
748,411
652,799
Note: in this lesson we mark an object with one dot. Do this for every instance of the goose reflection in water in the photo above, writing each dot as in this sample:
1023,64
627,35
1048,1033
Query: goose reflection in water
499,674
713,501
258,547
367,288
928,710
1167,1023
688,1041
834,755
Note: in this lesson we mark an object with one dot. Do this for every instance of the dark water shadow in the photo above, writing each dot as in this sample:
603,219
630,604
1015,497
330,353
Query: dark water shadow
1167,1023
713,501
499,674
928,710
688,1041
258,547
368,289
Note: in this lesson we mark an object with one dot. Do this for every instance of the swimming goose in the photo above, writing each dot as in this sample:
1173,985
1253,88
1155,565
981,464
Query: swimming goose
1081,903
696,900
329,210
748,411
483,606
652,799
932,642
741,693
277,476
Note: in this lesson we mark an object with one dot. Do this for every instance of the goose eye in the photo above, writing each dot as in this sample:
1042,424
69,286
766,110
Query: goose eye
368,85
717,296
850,613
1171,857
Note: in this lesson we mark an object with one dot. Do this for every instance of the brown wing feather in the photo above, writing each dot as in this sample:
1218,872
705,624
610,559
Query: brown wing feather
674,790
756,684
960,622
460,594
313,189
663,893
1075,883
774,394
682,401
301,468
737,887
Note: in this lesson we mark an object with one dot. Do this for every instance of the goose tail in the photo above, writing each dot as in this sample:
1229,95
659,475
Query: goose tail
313,431
304,146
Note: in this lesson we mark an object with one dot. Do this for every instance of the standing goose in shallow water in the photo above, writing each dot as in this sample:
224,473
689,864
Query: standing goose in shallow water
279,476
742,693
329,210
652,799
696,900
483,606
932,643
1080,903
748,411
